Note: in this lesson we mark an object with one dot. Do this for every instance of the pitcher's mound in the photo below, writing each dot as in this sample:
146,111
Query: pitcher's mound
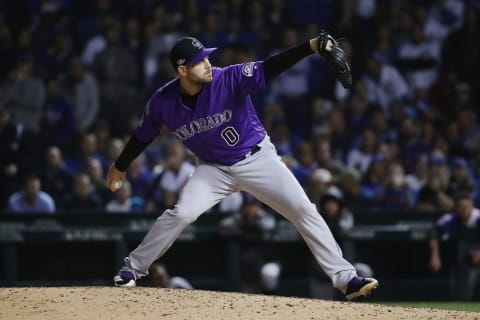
153,303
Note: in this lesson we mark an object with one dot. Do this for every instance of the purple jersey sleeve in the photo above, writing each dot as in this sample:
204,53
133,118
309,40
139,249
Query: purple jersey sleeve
147,128
451,220
152,119
446,222
245,78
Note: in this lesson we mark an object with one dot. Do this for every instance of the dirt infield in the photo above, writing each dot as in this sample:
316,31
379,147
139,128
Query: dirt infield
152,303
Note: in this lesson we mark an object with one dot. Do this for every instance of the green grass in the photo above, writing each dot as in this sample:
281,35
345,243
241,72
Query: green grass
459,306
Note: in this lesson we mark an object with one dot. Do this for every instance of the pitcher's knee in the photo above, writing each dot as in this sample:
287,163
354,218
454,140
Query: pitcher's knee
303,208
300,211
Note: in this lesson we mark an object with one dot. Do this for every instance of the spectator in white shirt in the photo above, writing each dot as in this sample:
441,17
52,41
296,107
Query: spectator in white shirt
360,157
171,178
31,199
384,84
418,58
443,18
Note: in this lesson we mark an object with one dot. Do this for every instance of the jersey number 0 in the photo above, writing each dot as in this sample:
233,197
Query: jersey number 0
230,135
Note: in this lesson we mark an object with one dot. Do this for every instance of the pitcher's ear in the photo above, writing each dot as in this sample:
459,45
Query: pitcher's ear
182,70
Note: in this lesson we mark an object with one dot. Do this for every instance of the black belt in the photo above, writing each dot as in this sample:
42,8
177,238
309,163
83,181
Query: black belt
252,151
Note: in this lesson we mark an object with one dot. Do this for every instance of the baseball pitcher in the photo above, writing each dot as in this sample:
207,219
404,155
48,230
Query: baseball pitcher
209,109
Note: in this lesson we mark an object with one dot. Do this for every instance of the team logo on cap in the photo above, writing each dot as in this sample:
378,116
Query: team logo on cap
197,44
180,61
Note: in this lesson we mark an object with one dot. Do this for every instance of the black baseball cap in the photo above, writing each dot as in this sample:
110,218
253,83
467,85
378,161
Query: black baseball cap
188,50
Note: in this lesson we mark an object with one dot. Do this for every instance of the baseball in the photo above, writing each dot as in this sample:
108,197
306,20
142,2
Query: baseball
118,184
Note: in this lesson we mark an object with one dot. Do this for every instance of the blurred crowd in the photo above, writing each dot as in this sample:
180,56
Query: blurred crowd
75,77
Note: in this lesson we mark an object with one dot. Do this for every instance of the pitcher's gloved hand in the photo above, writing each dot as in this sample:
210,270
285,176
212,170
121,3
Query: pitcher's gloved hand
336,59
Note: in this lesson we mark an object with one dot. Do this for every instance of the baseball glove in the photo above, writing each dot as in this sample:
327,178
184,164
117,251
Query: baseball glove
336,59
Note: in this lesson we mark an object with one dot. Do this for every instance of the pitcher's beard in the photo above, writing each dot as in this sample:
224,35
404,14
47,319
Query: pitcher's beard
203,79
207,78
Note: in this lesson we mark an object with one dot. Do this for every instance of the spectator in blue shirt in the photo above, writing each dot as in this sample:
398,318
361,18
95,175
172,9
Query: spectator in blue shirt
460,179
31,199
306,164
56,179
395,192
57,116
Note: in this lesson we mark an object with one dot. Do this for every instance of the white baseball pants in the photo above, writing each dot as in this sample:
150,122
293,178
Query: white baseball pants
267,178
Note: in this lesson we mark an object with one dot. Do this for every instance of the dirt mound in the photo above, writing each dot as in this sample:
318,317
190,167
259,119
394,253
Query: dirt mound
152,303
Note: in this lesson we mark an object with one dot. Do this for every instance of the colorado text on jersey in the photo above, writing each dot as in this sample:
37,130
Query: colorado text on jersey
202,124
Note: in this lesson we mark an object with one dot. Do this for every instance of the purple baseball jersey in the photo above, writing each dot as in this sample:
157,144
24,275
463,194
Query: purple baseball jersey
223,126
451,221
